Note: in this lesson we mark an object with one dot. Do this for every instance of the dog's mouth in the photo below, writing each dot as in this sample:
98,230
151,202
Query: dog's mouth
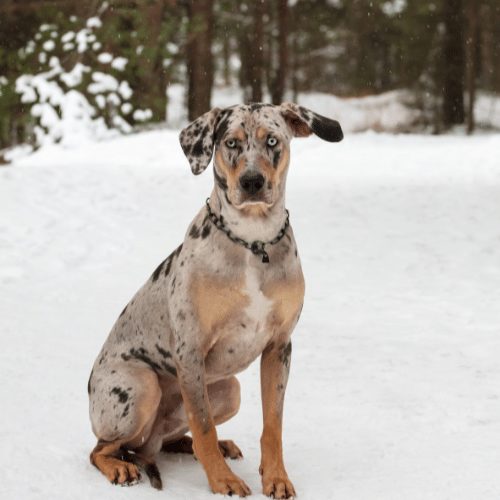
264,199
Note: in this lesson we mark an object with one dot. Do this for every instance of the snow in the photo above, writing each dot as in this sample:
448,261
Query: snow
124,90
383,112
386,112
102,83
105,58
487,110
74,77
94,22
67,37
142,115
394,387
119,63
49,45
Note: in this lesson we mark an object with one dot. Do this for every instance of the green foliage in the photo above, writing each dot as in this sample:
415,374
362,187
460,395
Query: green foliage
344,47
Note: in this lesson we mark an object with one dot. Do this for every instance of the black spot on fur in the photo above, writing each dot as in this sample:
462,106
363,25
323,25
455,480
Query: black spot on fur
197,149
206,231
169,368
276,157
125,411
178,250
285,353
157,271
195,232
222,126
123,312
122,395
142,355
163,352
103,357
221,181
169,265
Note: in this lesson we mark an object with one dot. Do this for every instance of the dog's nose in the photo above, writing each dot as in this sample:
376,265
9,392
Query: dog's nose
252,183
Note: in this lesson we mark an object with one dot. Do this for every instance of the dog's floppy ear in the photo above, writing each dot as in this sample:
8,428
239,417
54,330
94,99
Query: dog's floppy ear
304,122
197,140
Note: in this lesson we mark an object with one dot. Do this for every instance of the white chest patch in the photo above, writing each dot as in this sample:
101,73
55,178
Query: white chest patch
245,337
260,306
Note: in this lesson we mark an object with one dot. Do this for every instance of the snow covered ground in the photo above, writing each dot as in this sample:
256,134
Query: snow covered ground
395,385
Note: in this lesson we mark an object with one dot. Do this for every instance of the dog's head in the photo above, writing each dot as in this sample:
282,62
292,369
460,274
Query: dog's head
251,147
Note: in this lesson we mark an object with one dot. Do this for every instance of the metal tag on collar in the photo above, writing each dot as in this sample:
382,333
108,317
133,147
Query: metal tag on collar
257,248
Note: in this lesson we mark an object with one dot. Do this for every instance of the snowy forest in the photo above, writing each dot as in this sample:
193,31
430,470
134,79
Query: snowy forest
122,64
394,377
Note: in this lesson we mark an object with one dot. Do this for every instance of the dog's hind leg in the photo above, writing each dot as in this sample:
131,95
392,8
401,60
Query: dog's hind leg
123,407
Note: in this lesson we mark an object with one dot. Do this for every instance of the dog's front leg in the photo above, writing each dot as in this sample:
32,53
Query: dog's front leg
274,368
191,377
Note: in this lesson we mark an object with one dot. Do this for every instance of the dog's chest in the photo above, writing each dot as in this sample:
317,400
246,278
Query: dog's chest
242,337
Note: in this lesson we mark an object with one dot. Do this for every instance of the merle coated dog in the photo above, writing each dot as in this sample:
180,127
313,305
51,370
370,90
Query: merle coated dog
232,291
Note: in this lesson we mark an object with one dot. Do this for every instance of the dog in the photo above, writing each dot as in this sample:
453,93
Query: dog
233,290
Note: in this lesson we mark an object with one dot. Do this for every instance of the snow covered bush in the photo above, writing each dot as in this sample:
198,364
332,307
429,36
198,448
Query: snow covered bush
79,90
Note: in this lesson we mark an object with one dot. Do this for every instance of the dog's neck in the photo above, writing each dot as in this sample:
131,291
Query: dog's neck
260,225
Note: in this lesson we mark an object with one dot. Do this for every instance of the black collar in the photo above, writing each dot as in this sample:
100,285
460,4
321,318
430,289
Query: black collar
257,247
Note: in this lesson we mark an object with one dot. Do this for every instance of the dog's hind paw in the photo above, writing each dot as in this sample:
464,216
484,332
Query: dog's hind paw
185,445
229,449
122,473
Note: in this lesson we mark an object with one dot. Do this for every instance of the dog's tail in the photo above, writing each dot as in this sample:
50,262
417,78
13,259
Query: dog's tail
147,466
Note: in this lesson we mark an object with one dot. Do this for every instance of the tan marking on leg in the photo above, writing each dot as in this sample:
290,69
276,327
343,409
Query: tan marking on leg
274,374
205,445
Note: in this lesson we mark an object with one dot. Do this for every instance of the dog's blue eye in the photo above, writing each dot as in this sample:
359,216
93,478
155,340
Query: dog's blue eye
231,143
272,141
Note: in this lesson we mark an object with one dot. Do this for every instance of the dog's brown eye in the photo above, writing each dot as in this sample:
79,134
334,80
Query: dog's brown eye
272,141
231,143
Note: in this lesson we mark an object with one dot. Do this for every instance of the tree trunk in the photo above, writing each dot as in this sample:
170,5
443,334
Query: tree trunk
295,58
472,56
454,64
278,89
199,57
256,51
152,81
226,56
487,43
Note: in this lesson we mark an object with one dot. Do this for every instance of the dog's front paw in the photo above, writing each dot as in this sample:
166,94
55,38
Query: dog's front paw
275,484
229,485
